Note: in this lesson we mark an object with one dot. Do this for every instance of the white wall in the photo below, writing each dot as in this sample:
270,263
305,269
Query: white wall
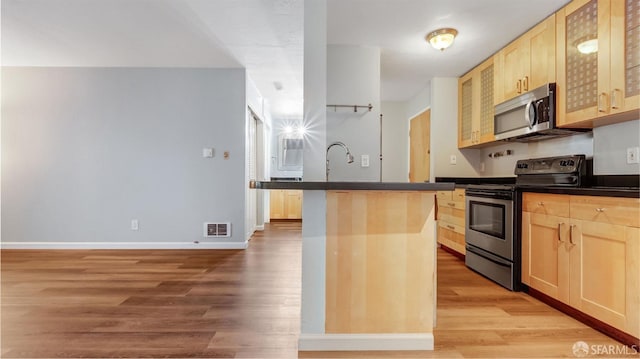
85,150
395,142
444,133
312,313
419,102
353,78
607,145
610,148
504,166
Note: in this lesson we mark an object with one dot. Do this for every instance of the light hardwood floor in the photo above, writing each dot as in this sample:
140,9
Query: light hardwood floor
242,304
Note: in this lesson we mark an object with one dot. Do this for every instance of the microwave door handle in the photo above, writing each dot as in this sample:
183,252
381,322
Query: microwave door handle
527,115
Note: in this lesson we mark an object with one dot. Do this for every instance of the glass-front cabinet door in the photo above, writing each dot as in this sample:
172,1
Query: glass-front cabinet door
625,55
598,60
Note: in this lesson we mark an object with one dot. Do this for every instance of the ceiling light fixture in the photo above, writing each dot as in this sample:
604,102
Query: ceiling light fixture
442,38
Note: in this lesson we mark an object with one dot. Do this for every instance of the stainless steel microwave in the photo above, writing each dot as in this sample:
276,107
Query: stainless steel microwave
529,117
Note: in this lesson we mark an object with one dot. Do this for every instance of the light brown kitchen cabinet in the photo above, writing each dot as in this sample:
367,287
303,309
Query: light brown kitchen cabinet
603,86
588,259
451,219
528,62
285,204
475,106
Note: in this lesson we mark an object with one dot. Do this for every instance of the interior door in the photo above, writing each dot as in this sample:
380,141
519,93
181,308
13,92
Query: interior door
419,147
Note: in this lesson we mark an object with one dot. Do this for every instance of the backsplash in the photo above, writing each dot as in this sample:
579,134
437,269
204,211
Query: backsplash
610,145
607,145
504,165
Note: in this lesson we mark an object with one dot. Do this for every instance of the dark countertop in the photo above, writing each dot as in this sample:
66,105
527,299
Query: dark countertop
629,192
463,182
605,185
354,186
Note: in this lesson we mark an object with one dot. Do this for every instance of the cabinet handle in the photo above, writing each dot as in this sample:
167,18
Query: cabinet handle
525,83
451,204
614,98
599,209
571,233
540,203
451,227
519,86
559,232
602,102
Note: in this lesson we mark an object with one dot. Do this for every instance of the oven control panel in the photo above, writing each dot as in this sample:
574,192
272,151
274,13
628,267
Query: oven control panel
550,165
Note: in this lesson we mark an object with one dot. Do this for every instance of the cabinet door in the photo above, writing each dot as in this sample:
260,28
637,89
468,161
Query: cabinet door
625,55
515,64
545,261
542,55
582,82
276,204
475,106
465,111
604,273
485,128
293,204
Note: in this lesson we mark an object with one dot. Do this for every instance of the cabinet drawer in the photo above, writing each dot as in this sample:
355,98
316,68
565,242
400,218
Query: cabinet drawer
612,210
443,195
542,203
452,216
451,227
451,239
458,195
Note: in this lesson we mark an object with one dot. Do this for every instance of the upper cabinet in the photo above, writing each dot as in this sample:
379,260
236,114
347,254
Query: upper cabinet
528,62
475,106
598,62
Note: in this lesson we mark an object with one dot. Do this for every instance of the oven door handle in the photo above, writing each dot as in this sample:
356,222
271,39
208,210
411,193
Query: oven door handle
488,256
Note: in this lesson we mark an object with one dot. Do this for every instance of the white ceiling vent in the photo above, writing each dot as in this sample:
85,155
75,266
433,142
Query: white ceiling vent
217,229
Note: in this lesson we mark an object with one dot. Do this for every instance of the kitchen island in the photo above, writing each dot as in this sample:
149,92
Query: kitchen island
378,289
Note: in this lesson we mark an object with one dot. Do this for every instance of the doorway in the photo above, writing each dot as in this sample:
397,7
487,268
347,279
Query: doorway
255,214
419,147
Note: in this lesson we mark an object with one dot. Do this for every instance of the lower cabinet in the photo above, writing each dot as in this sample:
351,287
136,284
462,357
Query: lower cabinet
451,219
588,258
285,204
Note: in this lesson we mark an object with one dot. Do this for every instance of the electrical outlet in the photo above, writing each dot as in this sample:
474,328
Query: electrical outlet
482,167
633,155
453,160
134,224
364,161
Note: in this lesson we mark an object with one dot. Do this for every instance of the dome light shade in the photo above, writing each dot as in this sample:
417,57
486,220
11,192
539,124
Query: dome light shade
442,38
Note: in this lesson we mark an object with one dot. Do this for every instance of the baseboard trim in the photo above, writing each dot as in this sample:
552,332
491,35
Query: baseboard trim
364,342
124,245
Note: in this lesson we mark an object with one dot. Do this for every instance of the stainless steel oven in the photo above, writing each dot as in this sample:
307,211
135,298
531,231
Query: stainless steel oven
490,232
493,215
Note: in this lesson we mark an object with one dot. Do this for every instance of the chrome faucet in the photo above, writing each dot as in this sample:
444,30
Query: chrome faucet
349,155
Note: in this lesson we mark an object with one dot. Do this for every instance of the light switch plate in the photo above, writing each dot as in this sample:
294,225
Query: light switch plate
207,152
364,161
453,160
633,155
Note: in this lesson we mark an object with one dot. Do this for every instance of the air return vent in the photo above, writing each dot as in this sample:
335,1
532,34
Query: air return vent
219,229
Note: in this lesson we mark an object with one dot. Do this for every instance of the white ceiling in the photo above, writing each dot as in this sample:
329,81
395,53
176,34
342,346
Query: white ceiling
264,36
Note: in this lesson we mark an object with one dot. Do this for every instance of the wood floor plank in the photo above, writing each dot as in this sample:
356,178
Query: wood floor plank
238,304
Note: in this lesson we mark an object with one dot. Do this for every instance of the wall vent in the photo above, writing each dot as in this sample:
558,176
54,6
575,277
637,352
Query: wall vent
217,229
